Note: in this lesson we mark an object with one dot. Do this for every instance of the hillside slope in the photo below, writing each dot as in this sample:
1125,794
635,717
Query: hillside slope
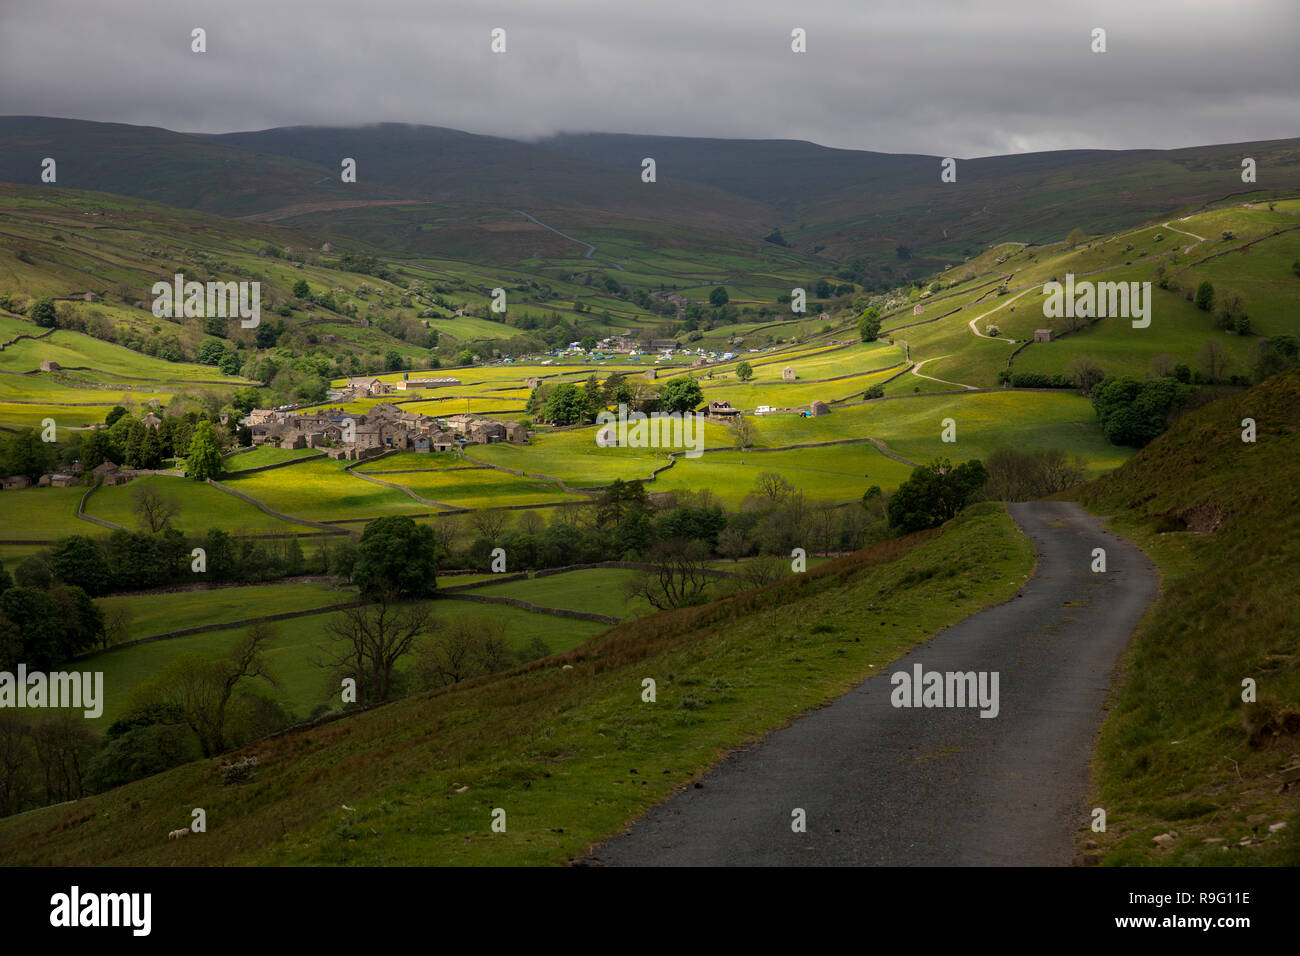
68,244
572,754
850,201
188,172
1182,754
837,203
448,165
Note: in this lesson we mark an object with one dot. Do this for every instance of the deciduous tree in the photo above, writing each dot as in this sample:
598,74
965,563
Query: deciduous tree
201,687
204,456
869,325
462,649
935,493
1084,374
367,642
398,557
677,576
681,394
153,507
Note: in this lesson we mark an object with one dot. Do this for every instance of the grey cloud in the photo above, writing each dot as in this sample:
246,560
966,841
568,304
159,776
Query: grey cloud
943,77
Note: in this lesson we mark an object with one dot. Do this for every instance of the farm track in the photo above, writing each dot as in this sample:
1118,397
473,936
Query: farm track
1199,239
985,315
940,786
591,250
916,371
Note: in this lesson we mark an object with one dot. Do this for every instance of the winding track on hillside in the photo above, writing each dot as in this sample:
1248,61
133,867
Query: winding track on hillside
998,308
916,370
934,787
591,250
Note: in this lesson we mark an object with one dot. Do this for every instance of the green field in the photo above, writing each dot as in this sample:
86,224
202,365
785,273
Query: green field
321,490
1261,274
481,488
265,455
822,364
911,427
154,614
478,405
573,458
201,507
596,589
793,394
298,645
411,461
46,388
1177,328
837,474
43,514
72,349
11,326
13,415
989,420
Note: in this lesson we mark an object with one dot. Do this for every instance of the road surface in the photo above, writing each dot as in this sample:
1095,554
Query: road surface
934,786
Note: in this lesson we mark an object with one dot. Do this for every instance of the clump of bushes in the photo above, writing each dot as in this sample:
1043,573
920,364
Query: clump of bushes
1039,380
1133,412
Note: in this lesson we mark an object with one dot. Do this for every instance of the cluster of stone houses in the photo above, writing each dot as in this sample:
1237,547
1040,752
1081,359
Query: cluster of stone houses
477,430
385,427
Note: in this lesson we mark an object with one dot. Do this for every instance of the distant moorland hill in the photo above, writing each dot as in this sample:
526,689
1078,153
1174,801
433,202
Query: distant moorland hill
844,206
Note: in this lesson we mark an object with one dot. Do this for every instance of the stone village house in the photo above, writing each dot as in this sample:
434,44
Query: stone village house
385,427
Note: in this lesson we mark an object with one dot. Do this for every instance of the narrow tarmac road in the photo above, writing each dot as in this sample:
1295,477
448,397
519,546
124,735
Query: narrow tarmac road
938,786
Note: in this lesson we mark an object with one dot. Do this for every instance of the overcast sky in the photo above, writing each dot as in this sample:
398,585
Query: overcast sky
945,77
